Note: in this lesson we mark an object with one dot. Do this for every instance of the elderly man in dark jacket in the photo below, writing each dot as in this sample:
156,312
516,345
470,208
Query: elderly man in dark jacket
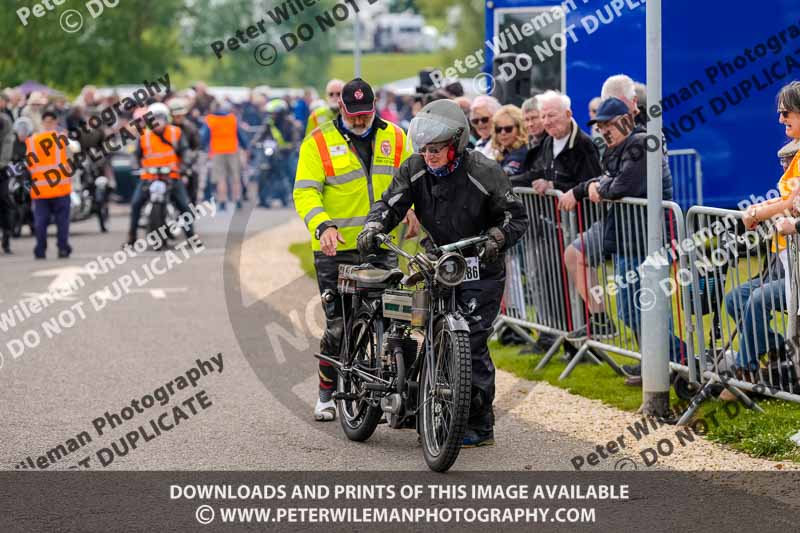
623,231
565,158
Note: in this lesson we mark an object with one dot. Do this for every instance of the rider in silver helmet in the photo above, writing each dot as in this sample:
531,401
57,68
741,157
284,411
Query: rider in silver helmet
457,193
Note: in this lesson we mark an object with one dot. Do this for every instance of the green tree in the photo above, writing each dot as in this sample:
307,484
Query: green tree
470,28
124,45
307,64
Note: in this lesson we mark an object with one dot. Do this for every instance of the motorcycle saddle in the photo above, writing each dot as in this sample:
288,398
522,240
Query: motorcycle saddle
369,277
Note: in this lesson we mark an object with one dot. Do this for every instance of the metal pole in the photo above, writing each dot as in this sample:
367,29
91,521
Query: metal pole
655,341
357,47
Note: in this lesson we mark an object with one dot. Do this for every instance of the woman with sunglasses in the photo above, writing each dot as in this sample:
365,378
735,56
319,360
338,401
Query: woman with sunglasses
481,112
510,142
752,303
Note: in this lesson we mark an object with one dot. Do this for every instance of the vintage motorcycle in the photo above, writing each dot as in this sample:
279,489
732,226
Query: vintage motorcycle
405,350
157,210
90,194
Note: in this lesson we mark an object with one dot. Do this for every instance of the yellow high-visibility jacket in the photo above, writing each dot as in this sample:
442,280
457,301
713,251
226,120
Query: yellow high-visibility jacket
318,117
332,185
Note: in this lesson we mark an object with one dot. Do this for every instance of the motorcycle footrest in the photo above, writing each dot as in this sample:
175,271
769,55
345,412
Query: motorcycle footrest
344,396
378,387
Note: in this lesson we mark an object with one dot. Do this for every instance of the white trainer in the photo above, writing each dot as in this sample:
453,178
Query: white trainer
325,411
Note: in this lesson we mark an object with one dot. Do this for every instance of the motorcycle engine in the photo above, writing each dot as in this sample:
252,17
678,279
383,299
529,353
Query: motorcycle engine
393,404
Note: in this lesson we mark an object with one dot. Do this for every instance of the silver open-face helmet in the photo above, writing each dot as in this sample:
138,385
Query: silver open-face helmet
439,121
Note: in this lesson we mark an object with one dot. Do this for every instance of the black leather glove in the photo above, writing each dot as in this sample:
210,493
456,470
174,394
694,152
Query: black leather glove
367,240
493,247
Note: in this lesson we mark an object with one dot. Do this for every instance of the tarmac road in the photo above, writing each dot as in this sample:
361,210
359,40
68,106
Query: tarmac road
53,392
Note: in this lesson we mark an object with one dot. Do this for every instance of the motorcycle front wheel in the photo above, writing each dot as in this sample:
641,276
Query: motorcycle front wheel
445,396
157,218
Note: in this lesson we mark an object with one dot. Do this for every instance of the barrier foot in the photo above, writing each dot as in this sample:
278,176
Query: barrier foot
573,362
609,361
699,398
550,353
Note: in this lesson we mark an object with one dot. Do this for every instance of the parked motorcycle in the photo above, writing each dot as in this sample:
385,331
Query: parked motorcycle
22,215
90,192
382,371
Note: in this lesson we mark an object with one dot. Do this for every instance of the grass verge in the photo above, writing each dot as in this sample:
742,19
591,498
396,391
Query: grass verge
765,436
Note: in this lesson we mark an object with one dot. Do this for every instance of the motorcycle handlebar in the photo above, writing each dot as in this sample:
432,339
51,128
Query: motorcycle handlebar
452,247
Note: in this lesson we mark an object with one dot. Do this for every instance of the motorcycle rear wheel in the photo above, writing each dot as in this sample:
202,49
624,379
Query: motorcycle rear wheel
358,418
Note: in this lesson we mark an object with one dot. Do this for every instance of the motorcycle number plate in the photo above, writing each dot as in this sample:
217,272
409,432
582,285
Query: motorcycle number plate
158,187
473,269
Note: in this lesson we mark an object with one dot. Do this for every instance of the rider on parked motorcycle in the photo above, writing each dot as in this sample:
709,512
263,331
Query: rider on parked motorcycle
457,193
164,145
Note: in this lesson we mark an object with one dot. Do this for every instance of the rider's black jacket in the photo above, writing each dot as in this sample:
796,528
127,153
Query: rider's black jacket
474,198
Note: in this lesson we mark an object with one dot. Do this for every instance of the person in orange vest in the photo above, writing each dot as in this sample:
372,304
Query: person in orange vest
163,145
222,137
50,174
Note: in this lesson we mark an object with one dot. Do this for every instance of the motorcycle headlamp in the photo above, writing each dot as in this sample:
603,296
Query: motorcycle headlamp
450,269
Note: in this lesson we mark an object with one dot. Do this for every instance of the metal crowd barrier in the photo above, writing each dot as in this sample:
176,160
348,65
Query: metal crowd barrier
537,294
730,293
744,330
612,272
687,178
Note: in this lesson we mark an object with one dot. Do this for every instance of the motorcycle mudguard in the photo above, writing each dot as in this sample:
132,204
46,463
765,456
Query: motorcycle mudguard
456,322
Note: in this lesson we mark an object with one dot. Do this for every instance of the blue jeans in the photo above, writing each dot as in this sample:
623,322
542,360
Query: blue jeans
43,209
178,195
628,310
751,305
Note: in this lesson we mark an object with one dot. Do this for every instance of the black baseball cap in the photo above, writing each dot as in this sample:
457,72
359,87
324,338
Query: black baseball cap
358,98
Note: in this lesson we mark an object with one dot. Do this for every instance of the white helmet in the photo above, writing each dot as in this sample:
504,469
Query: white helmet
23,127
160,111
179,106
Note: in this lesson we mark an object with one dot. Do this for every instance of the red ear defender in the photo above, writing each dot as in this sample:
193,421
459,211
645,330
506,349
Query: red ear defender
451,153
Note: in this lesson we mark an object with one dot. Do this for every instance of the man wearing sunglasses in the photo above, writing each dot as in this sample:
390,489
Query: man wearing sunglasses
344,167
458,193
326,113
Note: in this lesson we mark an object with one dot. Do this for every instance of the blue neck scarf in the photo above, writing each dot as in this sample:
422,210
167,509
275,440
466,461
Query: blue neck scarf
445,170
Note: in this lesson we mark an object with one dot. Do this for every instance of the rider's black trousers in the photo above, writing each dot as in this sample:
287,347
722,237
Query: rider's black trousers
487,294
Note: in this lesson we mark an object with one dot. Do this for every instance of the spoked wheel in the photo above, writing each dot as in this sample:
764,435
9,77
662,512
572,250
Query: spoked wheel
358,418
445,397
